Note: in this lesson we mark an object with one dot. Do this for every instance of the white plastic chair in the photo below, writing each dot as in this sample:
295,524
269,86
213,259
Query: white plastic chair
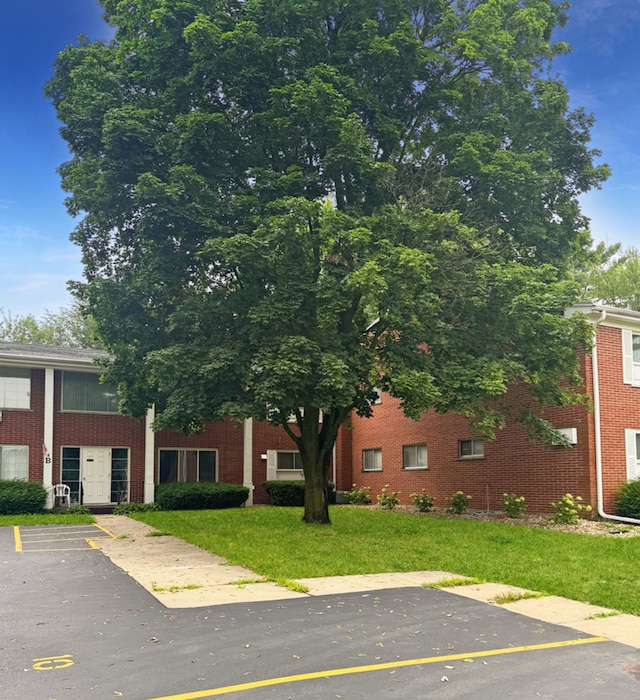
61,495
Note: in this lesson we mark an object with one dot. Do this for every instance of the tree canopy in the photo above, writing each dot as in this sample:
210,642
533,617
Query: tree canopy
69,326
611,275
289,205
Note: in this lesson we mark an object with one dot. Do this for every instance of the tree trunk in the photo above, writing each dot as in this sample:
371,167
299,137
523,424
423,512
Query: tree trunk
315,442
316,497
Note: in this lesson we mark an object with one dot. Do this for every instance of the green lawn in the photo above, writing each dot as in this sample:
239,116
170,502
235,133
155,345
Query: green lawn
45,519
275,543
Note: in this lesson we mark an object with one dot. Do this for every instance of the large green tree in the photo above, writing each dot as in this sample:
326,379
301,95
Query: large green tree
287,205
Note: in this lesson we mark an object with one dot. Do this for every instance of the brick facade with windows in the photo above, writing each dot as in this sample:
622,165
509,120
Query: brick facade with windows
484,470
511,463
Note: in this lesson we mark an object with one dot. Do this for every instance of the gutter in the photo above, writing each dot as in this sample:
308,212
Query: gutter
598,440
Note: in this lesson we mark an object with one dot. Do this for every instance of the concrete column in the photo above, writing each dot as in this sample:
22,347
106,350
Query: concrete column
247,464
47,437
149,454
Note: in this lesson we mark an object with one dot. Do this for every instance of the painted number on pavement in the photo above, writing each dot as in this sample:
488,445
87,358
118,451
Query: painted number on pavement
53,663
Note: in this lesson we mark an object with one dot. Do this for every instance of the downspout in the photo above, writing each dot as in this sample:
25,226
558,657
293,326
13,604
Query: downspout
335,472
598,442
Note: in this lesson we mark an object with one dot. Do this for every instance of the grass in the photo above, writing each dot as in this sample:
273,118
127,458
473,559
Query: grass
46,519
273,542
453,582
174,589
513,597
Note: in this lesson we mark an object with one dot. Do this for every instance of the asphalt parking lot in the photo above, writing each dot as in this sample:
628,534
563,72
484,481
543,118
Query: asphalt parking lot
74,626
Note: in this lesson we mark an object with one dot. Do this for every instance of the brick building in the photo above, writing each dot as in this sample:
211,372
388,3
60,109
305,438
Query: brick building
441,454
59,424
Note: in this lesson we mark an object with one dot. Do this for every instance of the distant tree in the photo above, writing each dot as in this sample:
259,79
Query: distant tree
612,276
69,327
288,205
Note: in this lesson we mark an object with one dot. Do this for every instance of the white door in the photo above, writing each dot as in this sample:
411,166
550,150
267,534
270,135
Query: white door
96,474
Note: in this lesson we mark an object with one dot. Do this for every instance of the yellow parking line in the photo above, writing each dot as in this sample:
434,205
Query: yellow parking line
31,538
80,536
104,529
374,667
16,537
58,549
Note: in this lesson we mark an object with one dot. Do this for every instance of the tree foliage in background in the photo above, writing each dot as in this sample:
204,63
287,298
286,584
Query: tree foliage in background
286,205
69,327
611,275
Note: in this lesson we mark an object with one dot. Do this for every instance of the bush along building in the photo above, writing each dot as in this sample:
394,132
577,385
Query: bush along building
59,424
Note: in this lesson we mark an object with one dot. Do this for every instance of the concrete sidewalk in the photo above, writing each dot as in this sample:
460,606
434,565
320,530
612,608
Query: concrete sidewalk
181,575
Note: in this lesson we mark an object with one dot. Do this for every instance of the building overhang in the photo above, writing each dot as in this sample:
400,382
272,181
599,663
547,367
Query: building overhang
606,315
51,357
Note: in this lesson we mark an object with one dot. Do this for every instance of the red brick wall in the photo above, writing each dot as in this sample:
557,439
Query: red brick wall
511,463
26,427
266,437
619,409
225,436
98,430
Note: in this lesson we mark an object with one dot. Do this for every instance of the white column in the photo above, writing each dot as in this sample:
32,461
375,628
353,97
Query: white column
149,453
47,438
247,463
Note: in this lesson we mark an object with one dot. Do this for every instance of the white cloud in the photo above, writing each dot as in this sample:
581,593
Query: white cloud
11,234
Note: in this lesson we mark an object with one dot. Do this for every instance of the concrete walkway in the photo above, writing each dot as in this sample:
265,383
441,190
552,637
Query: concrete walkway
181,575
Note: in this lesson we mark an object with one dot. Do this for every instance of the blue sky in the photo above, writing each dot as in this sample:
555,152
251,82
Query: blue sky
36,257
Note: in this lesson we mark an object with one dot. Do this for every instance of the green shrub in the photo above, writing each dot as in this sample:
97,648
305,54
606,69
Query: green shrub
200,496
126,508
21,497
459,503
568,509
285,493
514,506
388,499
76,509
422,501
359,495
291,493
628,503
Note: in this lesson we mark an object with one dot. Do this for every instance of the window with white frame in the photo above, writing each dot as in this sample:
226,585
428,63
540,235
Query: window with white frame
378,392
630,357
14,462
372,460
185,465
414,456
470,449
632,445
15,387
288,460
83,391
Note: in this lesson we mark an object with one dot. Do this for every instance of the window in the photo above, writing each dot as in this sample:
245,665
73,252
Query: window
14,462
71,471
632,443
187,465
414,456
372,460
630,357
288,460
119,474
82,391
470,449
378,392
15,387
